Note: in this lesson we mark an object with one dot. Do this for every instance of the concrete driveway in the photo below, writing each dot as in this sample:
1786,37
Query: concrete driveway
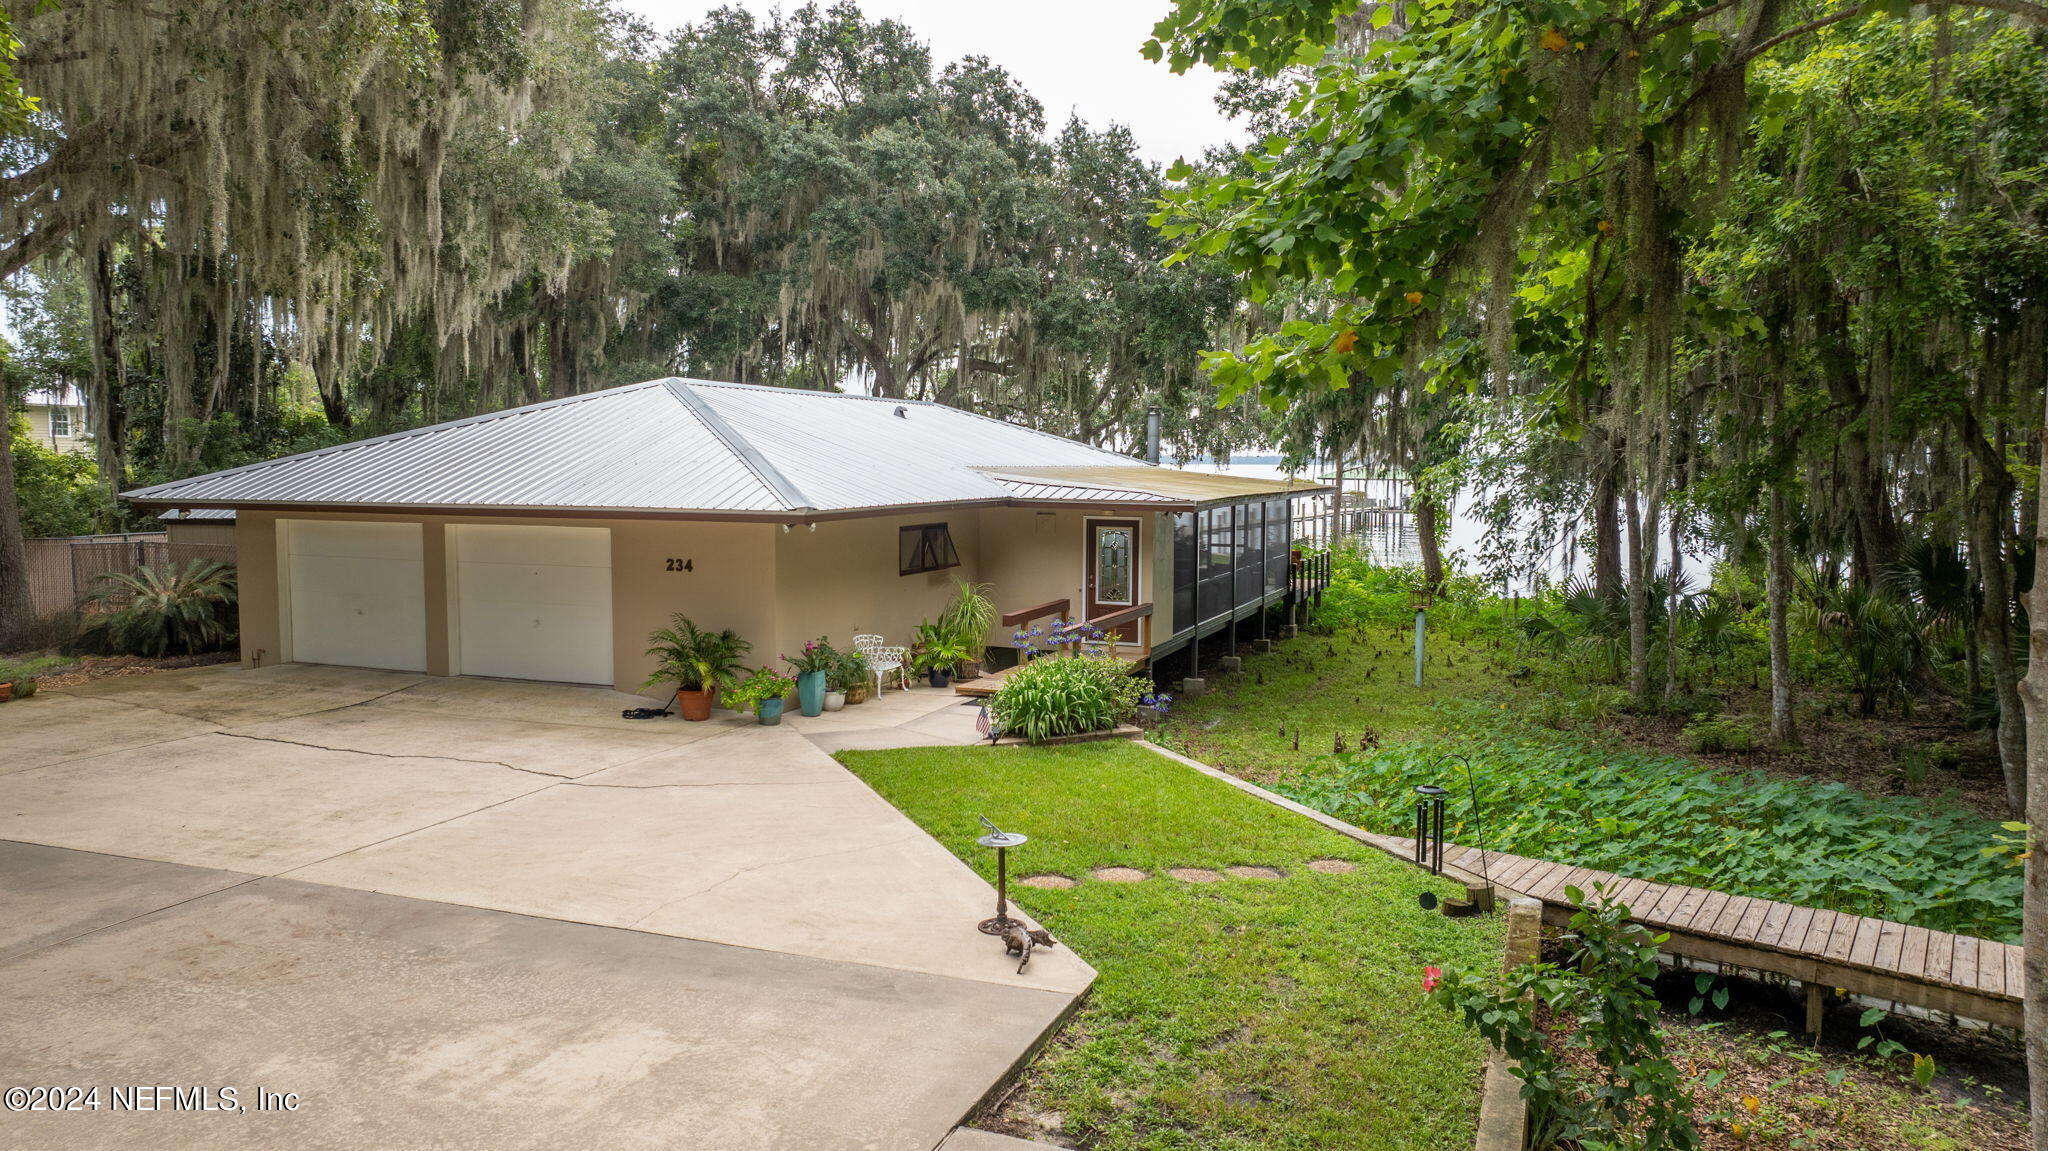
468,913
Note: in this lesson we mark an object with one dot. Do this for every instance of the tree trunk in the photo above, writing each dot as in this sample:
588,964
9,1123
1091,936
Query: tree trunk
2034,693
1606,520
1671,617
1425,539
1778,596
1988,516
17,610
1875,541
1638,602
109,377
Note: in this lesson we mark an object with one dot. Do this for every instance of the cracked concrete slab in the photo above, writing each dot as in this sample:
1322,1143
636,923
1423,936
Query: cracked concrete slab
558,749
242,805
52,727
559,703
402,1023
229,696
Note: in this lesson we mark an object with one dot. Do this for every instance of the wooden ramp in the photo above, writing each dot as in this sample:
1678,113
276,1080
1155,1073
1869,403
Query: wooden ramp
1938,970
985,685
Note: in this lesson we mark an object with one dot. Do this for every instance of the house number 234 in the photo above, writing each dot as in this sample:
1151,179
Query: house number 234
676,565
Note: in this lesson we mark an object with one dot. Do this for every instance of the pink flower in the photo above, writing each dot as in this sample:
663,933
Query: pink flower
1431,976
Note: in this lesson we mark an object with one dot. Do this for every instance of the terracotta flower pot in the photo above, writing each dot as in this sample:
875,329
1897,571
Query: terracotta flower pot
695,705
6,692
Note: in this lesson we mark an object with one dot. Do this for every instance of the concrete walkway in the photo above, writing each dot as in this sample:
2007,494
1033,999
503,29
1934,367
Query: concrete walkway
465,913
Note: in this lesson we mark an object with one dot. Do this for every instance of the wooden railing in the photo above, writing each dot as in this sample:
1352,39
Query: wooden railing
1056,607
1108,625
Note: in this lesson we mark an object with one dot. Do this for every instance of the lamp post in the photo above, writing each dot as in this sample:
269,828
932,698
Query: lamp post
1002,841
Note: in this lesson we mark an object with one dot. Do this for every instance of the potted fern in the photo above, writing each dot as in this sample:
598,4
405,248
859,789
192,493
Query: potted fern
966,622
698,662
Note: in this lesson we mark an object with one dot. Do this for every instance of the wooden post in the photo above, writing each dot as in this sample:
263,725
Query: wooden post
1816,1008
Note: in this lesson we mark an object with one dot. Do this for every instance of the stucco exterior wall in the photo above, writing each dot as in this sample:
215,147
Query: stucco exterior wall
1033,556
843,579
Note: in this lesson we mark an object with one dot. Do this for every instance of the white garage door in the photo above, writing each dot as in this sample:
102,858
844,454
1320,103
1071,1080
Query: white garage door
534,603
356,594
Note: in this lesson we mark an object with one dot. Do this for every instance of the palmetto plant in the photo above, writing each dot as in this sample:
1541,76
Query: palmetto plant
1876,634
157,610
695,659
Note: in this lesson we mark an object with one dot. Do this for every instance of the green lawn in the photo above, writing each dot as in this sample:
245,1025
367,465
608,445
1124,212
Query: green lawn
1325,687
1268,1014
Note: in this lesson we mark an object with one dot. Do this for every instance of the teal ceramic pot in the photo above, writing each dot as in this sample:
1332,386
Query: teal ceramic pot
810,692
769,711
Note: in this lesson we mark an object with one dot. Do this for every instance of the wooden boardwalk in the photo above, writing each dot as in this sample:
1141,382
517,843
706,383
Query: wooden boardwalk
1938,970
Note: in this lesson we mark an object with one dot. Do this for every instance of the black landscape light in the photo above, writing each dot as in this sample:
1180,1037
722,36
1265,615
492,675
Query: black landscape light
1002,841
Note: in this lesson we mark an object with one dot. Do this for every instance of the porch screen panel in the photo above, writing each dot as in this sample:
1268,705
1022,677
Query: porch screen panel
1250,552
1218,556
1277,549
1186,570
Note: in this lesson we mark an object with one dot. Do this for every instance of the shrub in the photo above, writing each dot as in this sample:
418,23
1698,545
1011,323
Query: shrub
22,673
849,670
154,611
1052,697
1632,1095
1711,733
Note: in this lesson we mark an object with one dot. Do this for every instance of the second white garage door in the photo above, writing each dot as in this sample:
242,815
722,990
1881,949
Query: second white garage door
354,593
533,602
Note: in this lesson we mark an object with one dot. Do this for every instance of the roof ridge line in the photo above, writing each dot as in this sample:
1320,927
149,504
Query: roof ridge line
757,463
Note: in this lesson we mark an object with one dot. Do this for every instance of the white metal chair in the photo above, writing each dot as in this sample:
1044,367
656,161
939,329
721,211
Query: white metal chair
883,659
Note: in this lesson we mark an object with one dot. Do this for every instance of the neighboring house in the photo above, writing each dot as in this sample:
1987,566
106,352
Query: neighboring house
56,418
210,526
545,542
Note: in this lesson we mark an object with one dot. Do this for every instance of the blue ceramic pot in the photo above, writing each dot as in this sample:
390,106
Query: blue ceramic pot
810,692
769,711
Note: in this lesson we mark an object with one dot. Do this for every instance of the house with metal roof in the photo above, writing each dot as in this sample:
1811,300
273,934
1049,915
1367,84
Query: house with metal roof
545,542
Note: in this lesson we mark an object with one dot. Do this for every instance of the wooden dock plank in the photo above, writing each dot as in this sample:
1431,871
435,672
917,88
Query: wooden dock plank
1913,952
1703,917
1817,931
1863,949
1667,902
1517,868
1752,920
1842,938
1550,886
2015,970
1964,972
1891,940
1991,967
1772,924
1731,914
1941,954
1792,930
1695,898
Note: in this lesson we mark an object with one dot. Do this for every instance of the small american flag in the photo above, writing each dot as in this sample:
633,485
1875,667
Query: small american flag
984,725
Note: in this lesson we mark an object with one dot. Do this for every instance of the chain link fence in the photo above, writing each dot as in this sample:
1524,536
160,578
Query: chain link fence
62,572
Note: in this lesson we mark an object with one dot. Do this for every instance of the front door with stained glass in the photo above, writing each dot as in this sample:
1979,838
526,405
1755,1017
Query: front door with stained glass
1113,570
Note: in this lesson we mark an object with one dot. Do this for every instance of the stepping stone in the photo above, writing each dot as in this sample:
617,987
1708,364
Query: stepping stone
1054,881
1119,875
1332,866
1194,875
1243,871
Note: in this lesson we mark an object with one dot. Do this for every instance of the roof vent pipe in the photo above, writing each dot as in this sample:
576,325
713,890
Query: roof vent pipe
1152,435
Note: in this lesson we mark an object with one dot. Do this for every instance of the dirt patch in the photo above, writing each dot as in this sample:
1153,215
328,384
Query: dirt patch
1249,871
1332,866
1194,875
92,667
1058,882
1119,875
1869,754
